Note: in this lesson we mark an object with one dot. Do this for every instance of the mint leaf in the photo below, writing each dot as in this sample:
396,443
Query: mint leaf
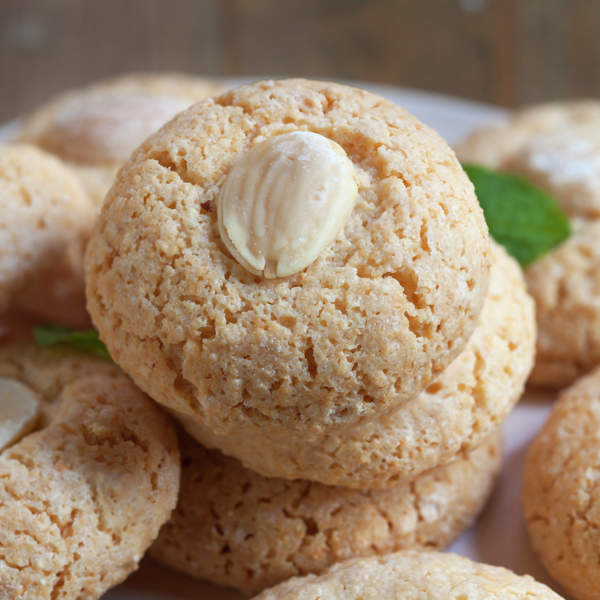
52,335
521,217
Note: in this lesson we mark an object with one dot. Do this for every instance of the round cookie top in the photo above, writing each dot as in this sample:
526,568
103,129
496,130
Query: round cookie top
297,527
561,494
456,412
412,575
43,211
95,128
84,495
555,146
102,123
565,285
367,325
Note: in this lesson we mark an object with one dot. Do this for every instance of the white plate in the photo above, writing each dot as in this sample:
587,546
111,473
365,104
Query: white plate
498,537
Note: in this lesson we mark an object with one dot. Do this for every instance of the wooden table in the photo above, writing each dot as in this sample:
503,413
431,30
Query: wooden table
506,52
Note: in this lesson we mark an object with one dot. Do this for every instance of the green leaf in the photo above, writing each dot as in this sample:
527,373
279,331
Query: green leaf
52,335
521,217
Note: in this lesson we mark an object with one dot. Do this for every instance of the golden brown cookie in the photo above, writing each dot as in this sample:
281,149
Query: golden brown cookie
565,285
95,128
456,412
412,575
383,309
561,490
555,146
43,211
84,495
236,528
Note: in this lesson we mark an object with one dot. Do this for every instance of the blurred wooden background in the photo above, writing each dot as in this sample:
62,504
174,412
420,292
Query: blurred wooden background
507,52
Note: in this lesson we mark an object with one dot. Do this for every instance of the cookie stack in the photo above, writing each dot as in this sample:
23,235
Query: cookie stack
301,273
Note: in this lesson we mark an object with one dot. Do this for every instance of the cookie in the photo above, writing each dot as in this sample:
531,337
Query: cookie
236,528
383,309
43,212
95,128
84,495
412,575
561,495
555,146
565,285
456,412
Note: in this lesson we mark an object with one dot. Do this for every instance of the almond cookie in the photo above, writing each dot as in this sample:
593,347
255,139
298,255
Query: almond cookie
412,575
555,146
94,129
84,495
43,211
236,528
456,412
174,278
565,285
561,493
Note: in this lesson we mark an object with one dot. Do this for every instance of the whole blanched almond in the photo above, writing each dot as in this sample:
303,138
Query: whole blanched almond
19,410
284,201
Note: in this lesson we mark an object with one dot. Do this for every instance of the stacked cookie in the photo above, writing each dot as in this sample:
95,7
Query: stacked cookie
556,146
300,272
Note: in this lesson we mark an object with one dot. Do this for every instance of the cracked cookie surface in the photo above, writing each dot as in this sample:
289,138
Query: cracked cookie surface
411,575
84,495
369,324
561,491
456,412
236,528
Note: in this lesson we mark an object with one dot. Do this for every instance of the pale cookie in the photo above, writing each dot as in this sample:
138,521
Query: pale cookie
555,146
236,528
43,211
412,575
456,412
95,128
83,496
565,285
382,310
561,491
